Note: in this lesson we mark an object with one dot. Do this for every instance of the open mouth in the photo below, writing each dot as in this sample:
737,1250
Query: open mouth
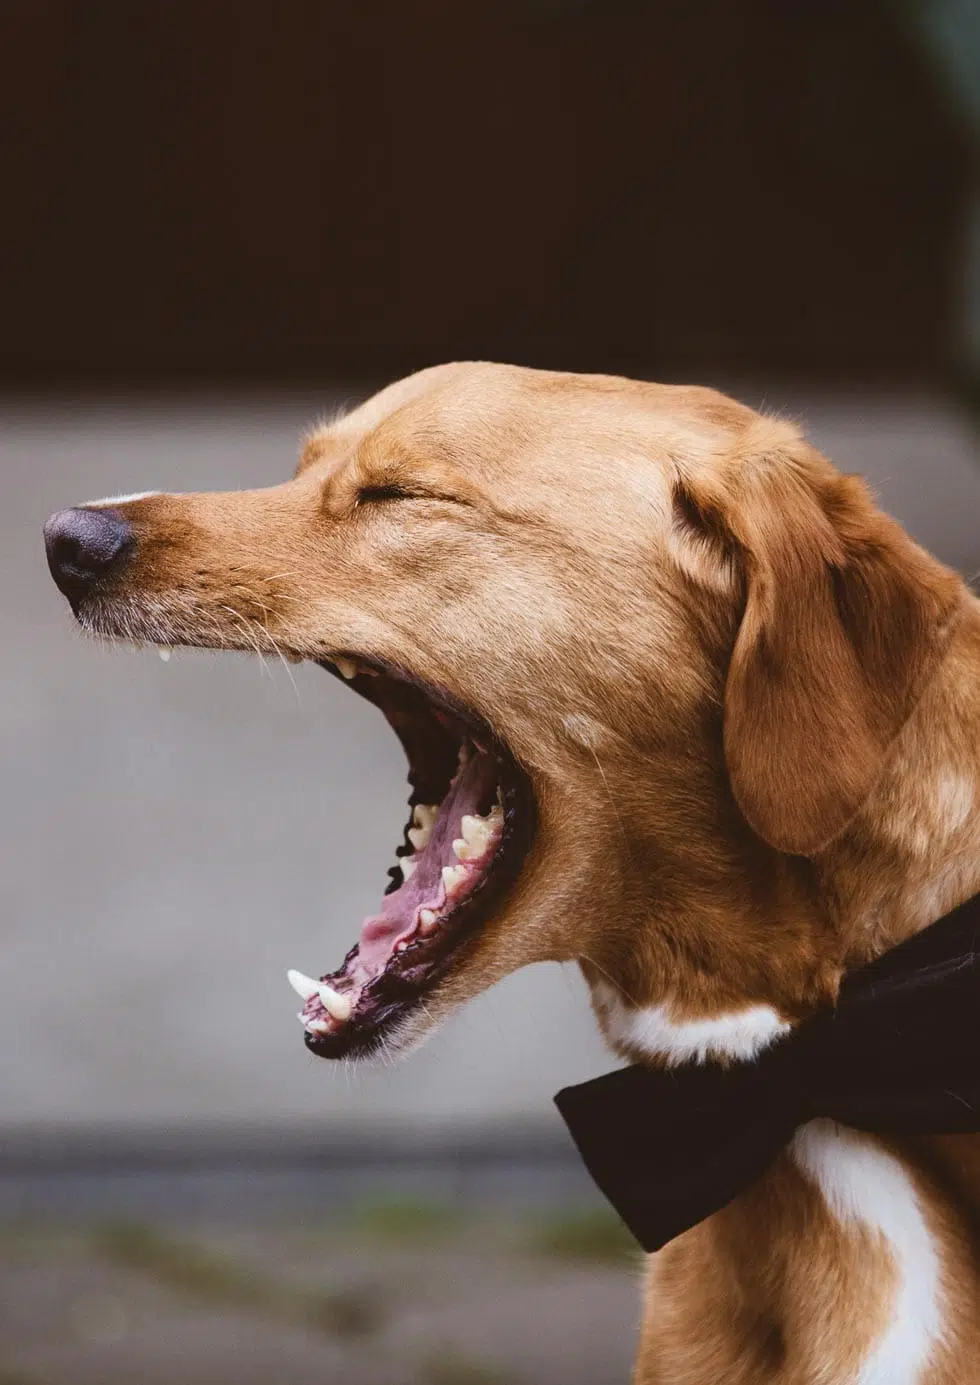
471,820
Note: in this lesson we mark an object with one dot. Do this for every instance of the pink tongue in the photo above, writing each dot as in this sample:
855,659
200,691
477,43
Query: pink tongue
472,791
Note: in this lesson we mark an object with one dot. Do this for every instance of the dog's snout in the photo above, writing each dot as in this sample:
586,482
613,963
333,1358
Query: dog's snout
82,545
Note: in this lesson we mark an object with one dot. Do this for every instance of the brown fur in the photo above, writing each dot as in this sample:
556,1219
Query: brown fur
748,705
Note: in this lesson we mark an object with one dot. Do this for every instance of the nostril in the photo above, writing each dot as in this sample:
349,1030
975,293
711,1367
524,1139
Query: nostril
82,544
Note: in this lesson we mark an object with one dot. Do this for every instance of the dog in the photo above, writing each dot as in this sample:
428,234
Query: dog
681,706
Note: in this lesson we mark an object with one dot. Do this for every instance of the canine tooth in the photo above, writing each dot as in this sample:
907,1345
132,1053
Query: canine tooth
495,817
425,814
347,667
427,920
318,1026
165,652
304,986
409,866
334,1003
451,877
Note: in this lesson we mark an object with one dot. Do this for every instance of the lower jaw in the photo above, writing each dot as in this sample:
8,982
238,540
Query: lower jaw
371,1008
405,998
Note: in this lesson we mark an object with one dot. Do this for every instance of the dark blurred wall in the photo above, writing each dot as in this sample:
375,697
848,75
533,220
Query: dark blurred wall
222,189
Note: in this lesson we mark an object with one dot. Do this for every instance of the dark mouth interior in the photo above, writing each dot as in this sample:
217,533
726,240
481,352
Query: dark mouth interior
469,826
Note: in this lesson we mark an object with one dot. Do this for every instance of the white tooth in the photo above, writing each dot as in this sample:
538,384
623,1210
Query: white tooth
473,828
425,814
477,832
409,866
495,817
165,652
427,920
347,667
419,837
464,754
334,1003
304,986
318,1026
451,877
469,850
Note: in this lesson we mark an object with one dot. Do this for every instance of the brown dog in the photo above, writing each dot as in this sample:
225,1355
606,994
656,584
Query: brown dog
680,705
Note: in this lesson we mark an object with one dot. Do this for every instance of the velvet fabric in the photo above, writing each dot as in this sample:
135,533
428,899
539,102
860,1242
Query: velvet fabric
899,1053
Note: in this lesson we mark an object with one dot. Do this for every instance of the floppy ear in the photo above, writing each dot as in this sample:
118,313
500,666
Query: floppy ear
845,621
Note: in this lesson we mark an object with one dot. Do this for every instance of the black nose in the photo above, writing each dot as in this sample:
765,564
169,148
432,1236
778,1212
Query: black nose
82,545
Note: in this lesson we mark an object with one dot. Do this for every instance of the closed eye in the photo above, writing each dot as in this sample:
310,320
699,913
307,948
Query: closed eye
373,495
380,495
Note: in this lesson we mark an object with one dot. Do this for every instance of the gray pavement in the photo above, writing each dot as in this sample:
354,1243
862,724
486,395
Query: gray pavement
477,1303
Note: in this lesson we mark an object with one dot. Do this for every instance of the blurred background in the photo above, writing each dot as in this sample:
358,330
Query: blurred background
219,222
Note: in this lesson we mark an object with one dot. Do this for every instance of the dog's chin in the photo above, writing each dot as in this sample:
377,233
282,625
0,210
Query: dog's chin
470,825
471,822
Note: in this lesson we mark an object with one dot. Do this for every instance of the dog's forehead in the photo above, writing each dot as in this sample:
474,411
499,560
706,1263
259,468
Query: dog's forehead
489,418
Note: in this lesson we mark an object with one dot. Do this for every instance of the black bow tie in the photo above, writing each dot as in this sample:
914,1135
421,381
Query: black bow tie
899,1053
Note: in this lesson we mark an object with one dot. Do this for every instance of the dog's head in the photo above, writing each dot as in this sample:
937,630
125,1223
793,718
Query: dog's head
645,651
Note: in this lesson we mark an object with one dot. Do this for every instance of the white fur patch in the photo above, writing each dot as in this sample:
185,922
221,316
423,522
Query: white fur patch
955,797
861,1182
119,499
741,1035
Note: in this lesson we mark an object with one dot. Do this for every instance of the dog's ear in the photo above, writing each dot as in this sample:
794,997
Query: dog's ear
845,620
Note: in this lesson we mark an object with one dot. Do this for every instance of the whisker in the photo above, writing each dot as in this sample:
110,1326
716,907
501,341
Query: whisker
247,628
